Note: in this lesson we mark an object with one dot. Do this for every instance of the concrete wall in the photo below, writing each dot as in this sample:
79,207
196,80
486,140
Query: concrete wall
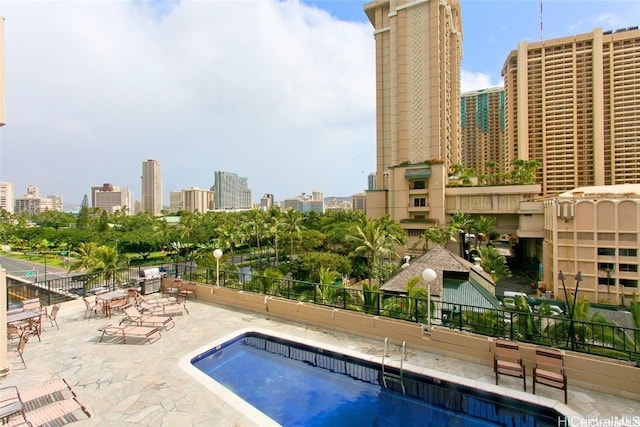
618,378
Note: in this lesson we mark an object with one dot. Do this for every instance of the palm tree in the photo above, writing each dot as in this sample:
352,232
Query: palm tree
485,225
493,263
439,236
459,225
292,225
273,224
373,240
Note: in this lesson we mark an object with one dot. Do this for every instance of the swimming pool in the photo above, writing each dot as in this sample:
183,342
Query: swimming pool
297,384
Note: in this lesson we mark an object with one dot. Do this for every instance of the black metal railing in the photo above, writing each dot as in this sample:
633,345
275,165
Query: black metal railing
605,339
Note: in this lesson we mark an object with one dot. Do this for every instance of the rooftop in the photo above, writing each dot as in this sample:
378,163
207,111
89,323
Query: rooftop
144,384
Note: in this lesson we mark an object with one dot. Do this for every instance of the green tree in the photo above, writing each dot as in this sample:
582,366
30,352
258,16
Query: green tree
292,226
82,222
485,225
374,239
493,263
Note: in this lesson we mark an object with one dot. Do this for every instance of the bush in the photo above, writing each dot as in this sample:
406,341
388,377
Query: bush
306,267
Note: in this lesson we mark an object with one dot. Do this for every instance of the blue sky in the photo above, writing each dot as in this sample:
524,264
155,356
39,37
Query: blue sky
279,91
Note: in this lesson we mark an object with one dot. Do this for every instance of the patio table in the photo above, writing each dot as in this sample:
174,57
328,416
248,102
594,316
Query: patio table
16,316
106,299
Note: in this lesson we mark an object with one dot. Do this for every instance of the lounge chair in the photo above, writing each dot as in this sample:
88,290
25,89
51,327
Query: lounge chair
132,315
507,361
65,410
548,369
153,307
130,331
39,395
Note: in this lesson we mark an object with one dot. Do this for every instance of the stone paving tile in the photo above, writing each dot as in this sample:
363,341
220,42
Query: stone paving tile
140,384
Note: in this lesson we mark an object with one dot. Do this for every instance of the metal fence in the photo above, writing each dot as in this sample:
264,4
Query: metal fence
609,340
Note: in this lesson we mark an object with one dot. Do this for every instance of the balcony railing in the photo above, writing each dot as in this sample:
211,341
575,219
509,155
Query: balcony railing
604,339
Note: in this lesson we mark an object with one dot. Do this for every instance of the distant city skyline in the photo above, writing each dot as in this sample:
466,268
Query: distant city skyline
94,88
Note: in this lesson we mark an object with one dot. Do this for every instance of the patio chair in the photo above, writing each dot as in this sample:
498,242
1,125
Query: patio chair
32,304
171,288
132,315
13,331
9,408
117,304
548,369
145,332
52,315
507,361
19,351
186,290
91,308
57,413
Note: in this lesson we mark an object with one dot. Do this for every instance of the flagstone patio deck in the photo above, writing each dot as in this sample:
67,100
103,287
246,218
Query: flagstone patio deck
142,384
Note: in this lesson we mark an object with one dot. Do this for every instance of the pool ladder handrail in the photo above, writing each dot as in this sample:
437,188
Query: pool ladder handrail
388,375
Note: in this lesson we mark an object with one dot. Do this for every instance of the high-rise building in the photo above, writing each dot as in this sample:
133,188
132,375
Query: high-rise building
112,198
151,195
197,200
418,55
7,196
305,202
482,131
571,103
267,201
231,191
32,203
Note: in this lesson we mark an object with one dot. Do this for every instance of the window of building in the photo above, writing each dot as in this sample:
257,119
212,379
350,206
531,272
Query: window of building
628,252
419,202
628,283
418,185
412,232
606,281
628,237
628,267
606,266
606,236
607,251
585,235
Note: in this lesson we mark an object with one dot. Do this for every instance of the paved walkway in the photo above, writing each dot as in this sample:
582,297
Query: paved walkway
143,384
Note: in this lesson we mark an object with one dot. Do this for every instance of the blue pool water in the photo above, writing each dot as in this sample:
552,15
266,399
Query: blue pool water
298,385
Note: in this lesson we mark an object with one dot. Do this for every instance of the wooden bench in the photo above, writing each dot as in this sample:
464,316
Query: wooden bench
548,369
507,361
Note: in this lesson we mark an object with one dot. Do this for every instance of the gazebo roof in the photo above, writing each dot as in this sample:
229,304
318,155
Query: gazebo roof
437,258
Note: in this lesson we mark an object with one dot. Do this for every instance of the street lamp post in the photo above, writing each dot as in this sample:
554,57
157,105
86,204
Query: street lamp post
429,275
571,307
217,254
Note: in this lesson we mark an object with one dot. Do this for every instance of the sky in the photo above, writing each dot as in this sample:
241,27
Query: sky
281,92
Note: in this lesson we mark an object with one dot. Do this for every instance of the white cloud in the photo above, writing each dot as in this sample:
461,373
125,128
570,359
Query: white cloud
275,91
471,80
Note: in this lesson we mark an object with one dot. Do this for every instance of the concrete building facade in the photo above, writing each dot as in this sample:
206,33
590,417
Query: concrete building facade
418,55
7,196
595,231
482,131
571,103
151,194
112,198
231,191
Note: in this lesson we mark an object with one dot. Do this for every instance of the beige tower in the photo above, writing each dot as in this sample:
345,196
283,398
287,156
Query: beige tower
482,131
571,103
418,54
151,187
